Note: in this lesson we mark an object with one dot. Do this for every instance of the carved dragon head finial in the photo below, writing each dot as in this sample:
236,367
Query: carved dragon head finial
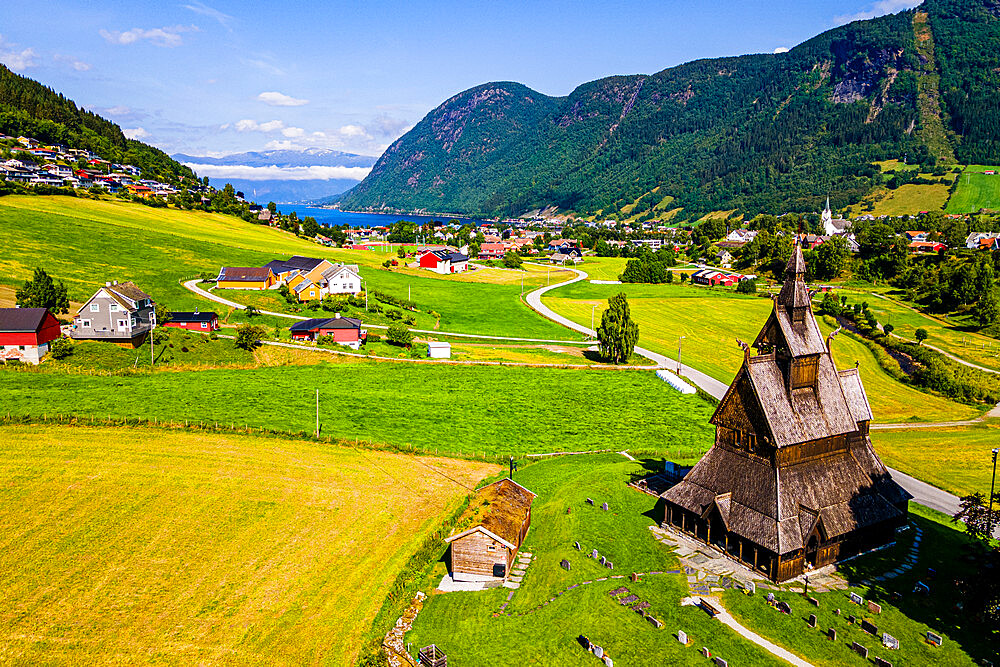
746,349
829,339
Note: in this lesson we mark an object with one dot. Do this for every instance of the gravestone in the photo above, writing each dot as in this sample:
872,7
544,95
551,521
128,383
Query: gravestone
770,597
609,565
814,602
890,642
604,507
784,608
599,651
859,649
705,652
656,623
812,620
934,639
719,662
608,661
569,510
832,634
603,560
751,587
593,554
869,627
566,565
682,637
577,545
881,662
836,612
874,608
857,599
634,577
589,501
852,620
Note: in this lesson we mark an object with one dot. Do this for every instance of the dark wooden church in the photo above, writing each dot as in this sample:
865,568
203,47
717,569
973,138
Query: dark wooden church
792,481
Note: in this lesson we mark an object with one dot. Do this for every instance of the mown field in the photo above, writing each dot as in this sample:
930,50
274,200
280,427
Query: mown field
149,546
712,320
909,199
499,410
85,243
463,625
976,190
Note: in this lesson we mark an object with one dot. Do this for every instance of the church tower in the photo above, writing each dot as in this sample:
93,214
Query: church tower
828,227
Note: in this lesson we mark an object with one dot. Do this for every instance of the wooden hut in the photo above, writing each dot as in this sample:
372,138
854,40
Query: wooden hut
792,481
489,533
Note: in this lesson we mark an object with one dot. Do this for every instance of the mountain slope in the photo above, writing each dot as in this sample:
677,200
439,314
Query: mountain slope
753,133
29,108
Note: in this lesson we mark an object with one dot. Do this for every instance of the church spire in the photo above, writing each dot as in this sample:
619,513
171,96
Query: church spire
794,295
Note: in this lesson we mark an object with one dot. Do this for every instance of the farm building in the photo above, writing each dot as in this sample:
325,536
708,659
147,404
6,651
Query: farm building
712,278
438,350
245,277
444,262
490,532
120,313
792,481
345,330
196,321
25,334
311,268
926,246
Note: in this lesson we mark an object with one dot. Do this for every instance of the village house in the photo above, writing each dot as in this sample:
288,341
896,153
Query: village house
309,268
245,277
118,312
341,279
492,250
490,532
792,481
724,259
974,241
25,334
444,262
344,330
926,246
196,321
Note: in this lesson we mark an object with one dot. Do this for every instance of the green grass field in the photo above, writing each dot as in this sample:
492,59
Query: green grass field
85,243
711,320
462,623
179,548
976,190
907,199
447,408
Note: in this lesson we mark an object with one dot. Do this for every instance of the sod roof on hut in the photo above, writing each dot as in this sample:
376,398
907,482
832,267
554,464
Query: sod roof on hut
500,508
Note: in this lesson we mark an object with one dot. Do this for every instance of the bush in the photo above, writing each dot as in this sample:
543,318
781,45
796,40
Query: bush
248,337
394,314
398,334
60,348
373,338
747,287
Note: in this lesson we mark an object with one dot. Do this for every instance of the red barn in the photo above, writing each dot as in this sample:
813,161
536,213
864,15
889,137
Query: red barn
344,330
25,333
208,321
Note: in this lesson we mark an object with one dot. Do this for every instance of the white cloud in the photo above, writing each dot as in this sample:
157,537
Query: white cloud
135,133
16,60
276,99
353,131
118,111
293,132
781,49
248,125
166,36
264,66
211,12
878,8
274,173
78,65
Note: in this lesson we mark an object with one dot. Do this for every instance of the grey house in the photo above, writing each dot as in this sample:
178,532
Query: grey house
118,312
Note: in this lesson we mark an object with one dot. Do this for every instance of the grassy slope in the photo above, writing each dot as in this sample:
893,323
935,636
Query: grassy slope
975,191
203,548
454,408
85,242
711,320
462,625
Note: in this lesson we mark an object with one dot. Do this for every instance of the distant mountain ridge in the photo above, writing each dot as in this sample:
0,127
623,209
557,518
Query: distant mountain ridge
308,157
757,133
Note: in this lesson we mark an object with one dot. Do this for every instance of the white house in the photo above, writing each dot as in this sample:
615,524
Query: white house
444,262
341,279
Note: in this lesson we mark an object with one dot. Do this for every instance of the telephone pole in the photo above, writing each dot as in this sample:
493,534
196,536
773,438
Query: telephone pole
317,413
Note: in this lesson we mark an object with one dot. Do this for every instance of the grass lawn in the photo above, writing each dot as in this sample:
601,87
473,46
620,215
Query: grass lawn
905,615
711,320
450,408
147,546
462,624
906,199
976,190
85,243
954,459
603,268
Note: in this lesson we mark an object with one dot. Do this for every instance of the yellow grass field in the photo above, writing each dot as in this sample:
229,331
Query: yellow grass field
146,546
906,200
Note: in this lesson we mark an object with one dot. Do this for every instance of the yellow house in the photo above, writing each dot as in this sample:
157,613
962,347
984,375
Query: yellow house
307,290
245,277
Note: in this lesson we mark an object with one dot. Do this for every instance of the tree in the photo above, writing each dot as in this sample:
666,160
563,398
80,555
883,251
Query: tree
888,329
42,292
162,314
401,252
398,334
747,286
511,260
920,335
60,348
830,304
310,228
618,333
987,309
251,311
272,207
831,257
248,337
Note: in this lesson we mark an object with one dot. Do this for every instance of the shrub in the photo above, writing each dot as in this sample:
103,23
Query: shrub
248,337
747,287
373,338
398,334
394,314
60,348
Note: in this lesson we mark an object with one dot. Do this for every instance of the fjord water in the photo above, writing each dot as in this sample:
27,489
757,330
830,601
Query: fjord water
332,216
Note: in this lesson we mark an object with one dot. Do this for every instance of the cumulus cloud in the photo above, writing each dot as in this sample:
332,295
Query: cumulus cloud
878,8
248,125
781,49
17,60
78,65
276,99
211,12
274,173
293,132
167,36
135,133
353,131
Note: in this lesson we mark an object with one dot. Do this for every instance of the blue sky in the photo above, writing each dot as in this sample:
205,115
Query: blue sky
217,77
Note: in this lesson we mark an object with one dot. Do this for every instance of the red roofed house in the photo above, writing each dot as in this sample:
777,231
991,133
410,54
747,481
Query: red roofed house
25,333
196,321
927,246
491,250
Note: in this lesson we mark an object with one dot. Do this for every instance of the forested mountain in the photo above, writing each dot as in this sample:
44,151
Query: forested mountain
758,133
28,108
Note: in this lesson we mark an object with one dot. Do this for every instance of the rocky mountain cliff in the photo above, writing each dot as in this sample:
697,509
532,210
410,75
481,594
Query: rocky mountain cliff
773,132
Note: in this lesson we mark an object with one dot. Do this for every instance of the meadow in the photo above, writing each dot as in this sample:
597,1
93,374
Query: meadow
909,199
976,190
493,409
204,548
464,625
86,242
712,319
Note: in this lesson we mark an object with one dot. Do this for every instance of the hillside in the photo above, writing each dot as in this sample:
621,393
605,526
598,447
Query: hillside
773,133
31,109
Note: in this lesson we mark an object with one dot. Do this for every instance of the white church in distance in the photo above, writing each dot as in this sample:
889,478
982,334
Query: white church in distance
833,226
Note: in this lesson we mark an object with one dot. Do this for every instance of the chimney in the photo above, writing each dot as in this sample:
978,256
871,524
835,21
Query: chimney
336,316
107,283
